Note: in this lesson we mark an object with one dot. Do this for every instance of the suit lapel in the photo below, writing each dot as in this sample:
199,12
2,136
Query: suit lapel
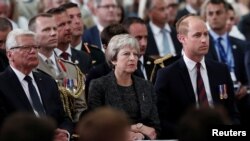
42,89
151,47
16,89
186,80
212,80
149,65
212,51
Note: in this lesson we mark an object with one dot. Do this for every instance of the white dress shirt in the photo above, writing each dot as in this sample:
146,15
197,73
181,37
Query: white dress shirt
158,36
24,84
143,68
59,52
191,66
53,59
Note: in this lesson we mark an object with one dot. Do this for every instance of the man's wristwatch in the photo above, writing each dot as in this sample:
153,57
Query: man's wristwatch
139,126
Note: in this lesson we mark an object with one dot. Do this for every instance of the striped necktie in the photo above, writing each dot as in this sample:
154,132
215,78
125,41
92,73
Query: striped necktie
201,92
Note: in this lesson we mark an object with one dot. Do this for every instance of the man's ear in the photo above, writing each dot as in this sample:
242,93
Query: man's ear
9,54
181,38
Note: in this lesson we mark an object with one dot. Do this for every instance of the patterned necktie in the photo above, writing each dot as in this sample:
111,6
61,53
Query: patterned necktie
202,96
37,105
223,55
65,55
165,42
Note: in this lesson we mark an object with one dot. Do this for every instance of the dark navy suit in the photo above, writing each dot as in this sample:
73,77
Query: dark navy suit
238,48
176,95
84,60
13,98
92,36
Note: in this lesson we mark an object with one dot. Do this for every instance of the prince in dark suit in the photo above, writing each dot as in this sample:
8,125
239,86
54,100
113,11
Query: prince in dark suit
21,89
183,84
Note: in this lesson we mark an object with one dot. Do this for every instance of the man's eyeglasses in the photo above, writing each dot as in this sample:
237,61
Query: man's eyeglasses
108,6
27,48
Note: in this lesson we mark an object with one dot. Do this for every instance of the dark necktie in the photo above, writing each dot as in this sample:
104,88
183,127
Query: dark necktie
65,55
37,105
223,55
201,92
139,71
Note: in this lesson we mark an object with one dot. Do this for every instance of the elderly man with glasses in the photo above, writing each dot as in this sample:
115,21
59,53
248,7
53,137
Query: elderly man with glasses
23,90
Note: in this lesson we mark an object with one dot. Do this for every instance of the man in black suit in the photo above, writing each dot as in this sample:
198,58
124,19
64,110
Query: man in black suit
228,50
23,90
63,49
77,27
137,28
105,13
232,51
192,81
162,37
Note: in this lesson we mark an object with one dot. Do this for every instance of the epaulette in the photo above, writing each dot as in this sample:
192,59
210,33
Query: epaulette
162,59
159,61
94,46
85,45
69,62
88,47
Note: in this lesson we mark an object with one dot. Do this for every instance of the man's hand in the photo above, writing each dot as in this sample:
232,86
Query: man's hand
241,92
61,135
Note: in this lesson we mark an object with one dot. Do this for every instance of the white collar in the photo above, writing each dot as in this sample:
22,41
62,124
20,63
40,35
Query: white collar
20,75
191,64
59,52
157,30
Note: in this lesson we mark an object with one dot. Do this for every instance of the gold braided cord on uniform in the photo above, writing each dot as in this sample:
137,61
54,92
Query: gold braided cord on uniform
66,101
68,96
160,62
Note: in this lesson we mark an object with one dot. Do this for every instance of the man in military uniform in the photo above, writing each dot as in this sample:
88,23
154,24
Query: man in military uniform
67,74
77,27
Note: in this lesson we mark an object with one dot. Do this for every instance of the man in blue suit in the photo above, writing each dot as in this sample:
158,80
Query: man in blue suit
228,50
192,81
23,90
105,12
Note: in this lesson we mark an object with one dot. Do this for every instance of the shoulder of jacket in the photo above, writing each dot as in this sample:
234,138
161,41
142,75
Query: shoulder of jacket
89,47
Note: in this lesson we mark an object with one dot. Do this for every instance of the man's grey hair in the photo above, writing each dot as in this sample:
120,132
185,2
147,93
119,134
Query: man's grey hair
12,37
117,43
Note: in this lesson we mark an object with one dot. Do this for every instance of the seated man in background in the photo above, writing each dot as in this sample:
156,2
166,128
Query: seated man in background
64,72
